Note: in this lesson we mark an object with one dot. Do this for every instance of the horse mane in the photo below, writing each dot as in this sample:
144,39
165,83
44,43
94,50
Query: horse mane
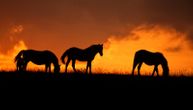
93,46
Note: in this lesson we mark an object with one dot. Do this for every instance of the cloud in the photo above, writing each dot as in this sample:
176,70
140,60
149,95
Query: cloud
10,37
174,49
15,30
7,59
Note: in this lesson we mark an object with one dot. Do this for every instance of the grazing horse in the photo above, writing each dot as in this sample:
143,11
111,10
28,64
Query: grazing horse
87,54
149,58
37,57
21,64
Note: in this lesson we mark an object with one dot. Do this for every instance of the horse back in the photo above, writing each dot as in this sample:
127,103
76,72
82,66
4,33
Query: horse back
148,57
74,51
40,57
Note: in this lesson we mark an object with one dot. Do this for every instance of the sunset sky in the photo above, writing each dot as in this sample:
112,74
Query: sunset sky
123,26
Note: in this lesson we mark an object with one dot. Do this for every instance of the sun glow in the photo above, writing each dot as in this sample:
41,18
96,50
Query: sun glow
7,59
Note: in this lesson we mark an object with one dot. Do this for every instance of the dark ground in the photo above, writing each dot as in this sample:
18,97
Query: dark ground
81,80
79,87
71,89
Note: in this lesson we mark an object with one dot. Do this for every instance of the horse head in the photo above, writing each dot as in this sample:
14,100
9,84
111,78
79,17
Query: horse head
165,67
21,64
100,49
165,70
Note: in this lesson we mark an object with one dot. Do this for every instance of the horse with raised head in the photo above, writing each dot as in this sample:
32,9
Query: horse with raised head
37,57
87,54
150,58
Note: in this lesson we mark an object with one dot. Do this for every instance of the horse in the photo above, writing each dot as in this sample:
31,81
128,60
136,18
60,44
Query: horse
87,54
150,58
37,57
21,64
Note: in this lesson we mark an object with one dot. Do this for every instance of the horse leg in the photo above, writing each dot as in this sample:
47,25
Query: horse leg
87,68
18,65
49,67
24,67
155,70
90,68
139,67
46,68
67,63
134,66
89,65
73,65
18,68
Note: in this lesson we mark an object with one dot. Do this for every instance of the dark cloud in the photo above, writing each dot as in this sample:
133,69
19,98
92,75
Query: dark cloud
176,10
172,12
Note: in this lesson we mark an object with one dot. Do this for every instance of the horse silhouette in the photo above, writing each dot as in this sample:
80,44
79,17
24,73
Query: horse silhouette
87,54
21,64
37,57
150,58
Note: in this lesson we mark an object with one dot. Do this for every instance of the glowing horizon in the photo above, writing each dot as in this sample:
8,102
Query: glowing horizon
119,51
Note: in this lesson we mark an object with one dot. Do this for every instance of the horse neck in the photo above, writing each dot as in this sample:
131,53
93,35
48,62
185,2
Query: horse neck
93,50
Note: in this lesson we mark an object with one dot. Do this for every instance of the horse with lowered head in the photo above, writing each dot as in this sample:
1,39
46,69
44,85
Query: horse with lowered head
37,57
150,58
21,64
87,54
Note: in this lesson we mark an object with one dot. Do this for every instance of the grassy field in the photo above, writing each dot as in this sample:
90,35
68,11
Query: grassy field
80,80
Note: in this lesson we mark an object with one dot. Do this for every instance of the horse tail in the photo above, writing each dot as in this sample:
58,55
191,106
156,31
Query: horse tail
19,55
64,56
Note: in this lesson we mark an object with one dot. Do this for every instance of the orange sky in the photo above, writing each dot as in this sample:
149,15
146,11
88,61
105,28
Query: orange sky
123,26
